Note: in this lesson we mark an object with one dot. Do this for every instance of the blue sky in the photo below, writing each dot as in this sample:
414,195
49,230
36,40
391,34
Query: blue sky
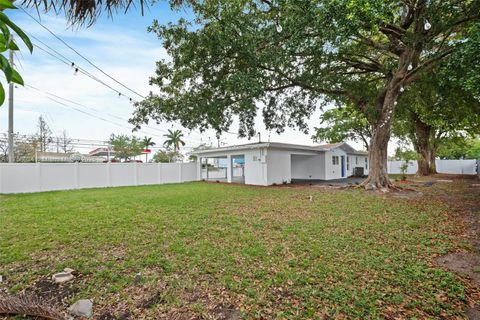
124,49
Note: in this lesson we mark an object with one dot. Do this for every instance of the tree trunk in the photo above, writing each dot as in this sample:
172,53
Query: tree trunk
424,147
433,166
424,164
377,175
385,107
377,154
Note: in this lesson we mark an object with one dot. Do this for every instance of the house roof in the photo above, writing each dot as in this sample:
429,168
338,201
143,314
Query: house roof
344,146
278,145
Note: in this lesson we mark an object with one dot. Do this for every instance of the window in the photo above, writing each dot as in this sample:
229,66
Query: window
335,160
356,160
366,163
348,163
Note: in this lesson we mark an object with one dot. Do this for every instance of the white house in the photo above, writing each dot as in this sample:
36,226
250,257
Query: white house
267,163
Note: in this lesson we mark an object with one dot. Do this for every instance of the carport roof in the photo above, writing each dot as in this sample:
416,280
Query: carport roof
279,145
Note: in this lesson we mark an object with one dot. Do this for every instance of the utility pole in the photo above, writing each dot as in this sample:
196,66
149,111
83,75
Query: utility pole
11,157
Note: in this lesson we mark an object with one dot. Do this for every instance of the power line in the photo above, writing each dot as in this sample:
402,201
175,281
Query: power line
92,64
66,61
82,56
92,109
49,96
76,67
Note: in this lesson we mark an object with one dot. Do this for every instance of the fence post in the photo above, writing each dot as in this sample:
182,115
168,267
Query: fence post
109,174
39,175
180,169
199,168
159,170
135,176
75,175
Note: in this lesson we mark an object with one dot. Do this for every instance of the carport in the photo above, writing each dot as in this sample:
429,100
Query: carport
270,163
224,168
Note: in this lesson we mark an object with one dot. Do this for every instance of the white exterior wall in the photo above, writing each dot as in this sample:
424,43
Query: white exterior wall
308,167
36,177
279,166
362,162
334,171
256,167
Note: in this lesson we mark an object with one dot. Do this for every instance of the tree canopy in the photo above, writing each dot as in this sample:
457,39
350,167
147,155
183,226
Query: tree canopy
165,156
443,105
341,124
125,147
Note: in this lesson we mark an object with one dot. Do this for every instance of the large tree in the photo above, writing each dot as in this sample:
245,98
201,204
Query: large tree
436,112
445,107
290,56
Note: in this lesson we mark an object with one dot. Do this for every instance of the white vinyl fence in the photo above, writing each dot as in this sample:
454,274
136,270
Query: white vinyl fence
443,166
35,177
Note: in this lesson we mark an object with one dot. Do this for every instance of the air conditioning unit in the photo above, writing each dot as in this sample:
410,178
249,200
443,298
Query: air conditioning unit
358,172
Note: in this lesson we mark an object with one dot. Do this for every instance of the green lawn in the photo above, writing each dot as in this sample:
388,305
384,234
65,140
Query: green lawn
205,248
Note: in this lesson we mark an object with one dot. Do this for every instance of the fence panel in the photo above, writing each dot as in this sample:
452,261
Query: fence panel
456,166
394,167
122,174
35,177
189,172
93,175
58,176
148,173
15,178
170,172
443,166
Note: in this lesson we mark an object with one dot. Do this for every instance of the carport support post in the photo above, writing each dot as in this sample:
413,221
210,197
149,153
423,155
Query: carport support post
199,168
229,168
206,166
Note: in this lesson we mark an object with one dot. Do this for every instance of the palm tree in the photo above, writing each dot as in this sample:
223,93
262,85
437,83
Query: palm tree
81,12
174,139
147,143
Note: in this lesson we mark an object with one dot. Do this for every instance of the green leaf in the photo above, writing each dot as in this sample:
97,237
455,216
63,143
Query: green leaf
5,31
6,67
6,4
3,45
16,77
17,30
2,94
12,45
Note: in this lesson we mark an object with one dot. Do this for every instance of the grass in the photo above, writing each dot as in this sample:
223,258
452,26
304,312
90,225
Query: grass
268,252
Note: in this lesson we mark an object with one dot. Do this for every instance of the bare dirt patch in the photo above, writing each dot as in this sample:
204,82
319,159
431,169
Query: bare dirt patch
465,263
46,290
226,313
